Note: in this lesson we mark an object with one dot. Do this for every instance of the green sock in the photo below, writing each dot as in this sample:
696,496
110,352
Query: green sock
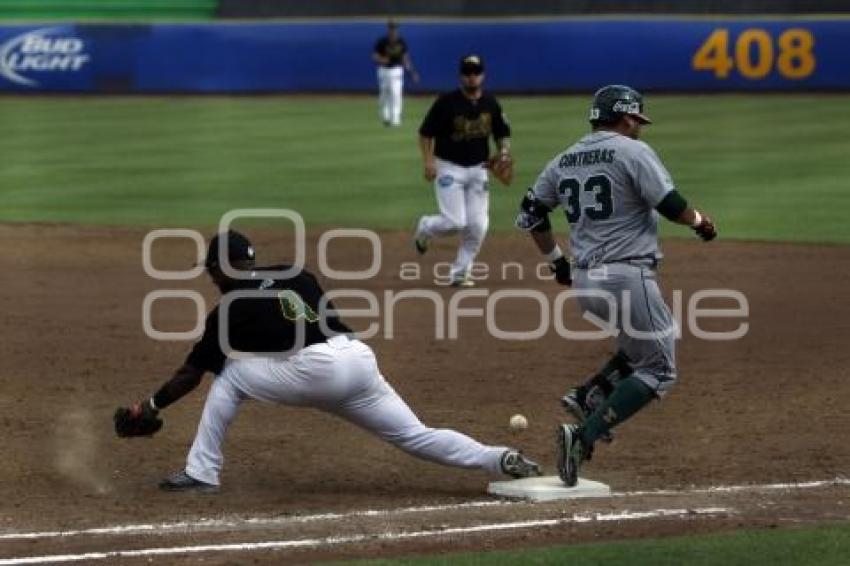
630,396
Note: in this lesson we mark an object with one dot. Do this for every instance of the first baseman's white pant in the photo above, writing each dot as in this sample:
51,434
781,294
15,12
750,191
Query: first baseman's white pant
341,377
390,85
464,201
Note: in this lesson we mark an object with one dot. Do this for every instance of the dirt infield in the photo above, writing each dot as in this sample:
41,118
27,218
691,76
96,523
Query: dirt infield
767,408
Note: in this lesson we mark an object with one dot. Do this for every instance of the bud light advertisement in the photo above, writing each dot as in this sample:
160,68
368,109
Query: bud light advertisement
44,58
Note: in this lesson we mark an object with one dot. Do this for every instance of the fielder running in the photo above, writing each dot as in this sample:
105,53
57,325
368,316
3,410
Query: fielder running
303,355
391,56
612,188
454,143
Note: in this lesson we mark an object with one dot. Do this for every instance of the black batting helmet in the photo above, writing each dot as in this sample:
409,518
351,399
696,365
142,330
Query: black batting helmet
613,101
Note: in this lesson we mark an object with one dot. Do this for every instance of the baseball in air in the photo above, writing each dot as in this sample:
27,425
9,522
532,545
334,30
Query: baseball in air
518,422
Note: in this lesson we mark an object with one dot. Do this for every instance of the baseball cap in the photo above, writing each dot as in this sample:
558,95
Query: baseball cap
238,247
471,65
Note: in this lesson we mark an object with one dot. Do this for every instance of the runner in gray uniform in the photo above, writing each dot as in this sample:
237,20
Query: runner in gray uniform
612,188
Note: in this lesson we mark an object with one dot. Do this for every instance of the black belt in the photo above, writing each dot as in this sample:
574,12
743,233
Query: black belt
652,259
628,259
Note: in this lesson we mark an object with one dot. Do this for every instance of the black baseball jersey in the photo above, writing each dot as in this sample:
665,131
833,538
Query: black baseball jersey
461,127
268,323
394,50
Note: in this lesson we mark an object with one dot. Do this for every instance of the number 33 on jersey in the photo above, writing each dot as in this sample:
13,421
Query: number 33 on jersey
608,185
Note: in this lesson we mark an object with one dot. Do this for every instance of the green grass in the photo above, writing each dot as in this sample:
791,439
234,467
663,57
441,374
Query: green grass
767,167
809,546
107,9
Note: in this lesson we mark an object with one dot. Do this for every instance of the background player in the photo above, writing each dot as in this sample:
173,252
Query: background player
454,142
391,55
323,368
612,188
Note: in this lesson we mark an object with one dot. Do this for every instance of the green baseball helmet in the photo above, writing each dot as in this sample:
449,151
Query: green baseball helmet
613,101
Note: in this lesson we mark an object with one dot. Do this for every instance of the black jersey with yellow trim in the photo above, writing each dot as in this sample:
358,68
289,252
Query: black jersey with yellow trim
461,127
266,316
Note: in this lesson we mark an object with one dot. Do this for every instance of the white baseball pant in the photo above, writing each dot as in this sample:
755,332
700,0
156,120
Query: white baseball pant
339,376
464,200
390,85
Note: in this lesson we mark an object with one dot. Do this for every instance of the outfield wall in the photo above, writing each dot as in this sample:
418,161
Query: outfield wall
779,54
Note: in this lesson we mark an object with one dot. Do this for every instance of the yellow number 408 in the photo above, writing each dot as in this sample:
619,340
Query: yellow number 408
796,58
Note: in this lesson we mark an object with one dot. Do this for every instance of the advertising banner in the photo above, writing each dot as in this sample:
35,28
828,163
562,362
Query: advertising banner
578,55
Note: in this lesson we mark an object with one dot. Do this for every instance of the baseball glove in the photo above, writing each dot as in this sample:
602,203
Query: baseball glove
502,166
139,419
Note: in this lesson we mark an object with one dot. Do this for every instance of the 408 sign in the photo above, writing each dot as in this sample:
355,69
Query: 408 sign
756,54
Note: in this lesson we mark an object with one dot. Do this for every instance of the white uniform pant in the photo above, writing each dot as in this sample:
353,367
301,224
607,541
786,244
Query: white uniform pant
390,85
464,200
340,377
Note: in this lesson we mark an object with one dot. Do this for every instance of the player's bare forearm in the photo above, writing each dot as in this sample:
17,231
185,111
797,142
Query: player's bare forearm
184,380
426,148
429,167
688,217
380,59
676,209
408,66
504,145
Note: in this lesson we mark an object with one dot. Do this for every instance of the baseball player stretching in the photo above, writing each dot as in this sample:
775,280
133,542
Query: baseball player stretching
454,142
612,188
303,356
390,54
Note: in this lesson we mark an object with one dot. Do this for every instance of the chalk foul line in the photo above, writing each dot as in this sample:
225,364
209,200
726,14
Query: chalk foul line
377,537
242,522
210,524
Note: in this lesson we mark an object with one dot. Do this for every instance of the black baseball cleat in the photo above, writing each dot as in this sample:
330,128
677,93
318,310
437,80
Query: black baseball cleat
517,466
181,481
463,282
420,241
569,453
575,403
421,245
